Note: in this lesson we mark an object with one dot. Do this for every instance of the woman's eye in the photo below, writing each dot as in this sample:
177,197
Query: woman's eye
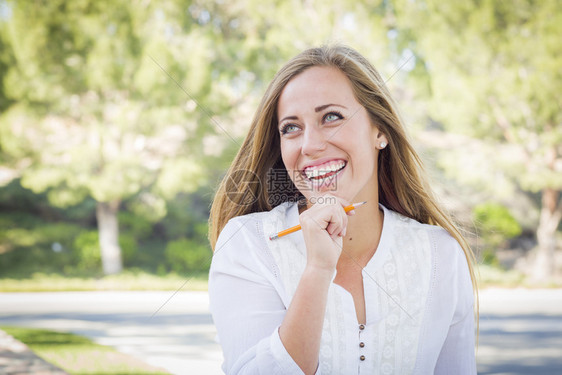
289,128
332,116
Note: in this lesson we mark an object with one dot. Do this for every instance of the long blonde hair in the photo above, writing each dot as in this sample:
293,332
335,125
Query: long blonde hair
250,187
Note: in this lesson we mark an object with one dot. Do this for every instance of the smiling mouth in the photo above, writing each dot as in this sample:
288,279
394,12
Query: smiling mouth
321,174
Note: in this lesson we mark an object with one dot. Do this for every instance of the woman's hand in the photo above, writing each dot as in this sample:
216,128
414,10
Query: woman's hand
323,225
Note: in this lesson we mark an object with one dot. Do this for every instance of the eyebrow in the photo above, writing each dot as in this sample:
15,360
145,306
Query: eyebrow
317,109
323,107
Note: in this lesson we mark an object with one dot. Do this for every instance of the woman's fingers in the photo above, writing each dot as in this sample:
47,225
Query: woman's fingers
324,224
333,228
329,214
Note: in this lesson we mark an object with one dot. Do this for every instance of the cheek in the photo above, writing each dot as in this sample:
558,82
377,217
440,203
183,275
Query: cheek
288,155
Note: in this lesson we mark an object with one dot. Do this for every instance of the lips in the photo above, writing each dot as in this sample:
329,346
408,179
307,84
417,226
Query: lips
324,170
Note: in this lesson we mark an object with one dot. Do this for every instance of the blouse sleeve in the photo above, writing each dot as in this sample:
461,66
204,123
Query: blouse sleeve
245,303
457,355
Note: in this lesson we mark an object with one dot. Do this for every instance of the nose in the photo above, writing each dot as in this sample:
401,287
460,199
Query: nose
313,141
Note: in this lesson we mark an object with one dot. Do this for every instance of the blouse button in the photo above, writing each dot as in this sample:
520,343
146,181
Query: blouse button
361,344
361,327
362,358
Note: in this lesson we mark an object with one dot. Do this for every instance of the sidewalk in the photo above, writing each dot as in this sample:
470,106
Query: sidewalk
17,359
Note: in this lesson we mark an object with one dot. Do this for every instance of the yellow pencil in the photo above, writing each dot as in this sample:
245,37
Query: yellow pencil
298,227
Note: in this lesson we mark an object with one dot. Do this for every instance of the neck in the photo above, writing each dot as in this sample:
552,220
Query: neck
363,233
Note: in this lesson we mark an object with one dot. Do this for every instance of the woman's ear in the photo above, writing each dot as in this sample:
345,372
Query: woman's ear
380,141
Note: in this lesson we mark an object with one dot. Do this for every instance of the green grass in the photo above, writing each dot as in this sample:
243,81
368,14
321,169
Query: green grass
489,276
495,276
127,280
79,355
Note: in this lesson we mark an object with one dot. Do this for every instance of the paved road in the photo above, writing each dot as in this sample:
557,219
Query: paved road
179,338
520,330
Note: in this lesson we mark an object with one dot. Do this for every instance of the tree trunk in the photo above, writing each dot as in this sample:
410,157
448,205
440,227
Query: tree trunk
108,227
551,213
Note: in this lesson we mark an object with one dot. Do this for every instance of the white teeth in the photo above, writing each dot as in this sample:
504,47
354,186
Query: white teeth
312,172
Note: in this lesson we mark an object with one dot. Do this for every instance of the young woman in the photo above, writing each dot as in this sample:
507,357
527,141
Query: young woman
386,288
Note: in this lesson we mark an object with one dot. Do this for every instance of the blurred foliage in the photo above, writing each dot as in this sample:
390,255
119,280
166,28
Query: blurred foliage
497,222
495,226
87,250
496,80
145,103
37,237
137,226
186,255
5,60
494,276
490,70
31,242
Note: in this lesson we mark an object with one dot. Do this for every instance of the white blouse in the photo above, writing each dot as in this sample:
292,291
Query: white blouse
418,301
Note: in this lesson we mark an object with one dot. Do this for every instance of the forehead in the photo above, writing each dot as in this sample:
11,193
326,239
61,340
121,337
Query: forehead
314,87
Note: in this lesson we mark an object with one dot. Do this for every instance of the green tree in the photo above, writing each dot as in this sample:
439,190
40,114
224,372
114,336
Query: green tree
494,73
94,113
139,99
6,58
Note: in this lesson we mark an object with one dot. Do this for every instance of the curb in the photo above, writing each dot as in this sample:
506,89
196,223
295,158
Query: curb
17,359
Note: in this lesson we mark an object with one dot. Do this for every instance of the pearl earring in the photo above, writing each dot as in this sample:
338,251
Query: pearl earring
383,145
